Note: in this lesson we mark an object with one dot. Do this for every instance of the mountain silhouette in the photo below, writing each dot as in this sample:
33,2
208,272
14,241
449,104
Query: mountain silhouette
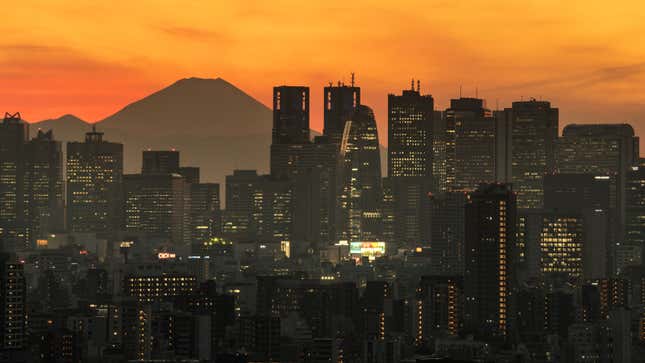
212,123
66,128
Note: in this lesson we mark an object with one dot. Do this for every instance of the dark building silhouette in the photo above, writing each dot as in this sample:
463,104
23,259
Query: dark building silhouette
534,132
489,268
240,189
290,115
160,162
14,133
410,160
447,226
340,102
360,193
46,203
470,129
205,213
438,308
13,309
94,184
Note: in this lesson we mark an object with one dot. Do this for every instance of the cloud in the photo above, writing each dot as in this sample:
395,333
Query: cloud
194,34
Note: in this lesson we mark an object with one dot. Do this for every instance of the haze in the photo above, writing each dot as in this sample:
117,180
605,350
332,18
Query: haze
91,59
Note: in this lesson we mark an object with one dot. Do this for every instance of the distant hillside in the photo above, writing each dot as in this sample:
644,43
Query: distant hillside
66,128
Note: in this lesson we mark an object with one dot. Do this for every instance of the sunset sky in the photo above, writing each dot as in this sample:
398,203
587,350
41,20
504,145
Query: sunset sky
91,59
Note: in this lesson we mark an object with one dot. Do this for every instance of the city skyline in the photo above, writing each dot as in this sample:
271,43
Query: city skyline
554,55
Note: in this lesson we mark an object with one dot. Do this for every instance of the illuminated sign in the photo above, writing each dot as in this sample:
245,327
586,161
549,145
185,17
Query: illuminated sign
370,249
165,255
126,244
42,242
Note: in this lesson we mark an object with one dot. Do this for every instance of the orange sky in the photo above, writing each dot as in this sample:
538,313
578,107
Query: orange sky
91,59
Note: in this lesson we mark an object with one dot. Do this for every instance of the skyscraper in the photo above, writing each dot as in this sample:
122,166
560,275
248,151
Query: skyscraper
410,127
534,132
489,269
155,205
14,133
410,159
44,178
472,157
359,174
447,226
290,115
94,182
608,150
635,207
340,102
240,189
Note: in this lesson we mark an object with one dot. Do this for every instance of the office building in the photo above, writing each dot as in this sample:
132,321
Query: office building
44,186
470,157
447,226
155,205
608,150
94,184
360,193
410,160
340,103
14,133
534,132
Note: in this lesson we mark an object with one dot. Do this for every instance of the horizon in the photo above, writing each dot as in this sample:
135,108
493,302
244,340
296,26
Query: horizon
582,59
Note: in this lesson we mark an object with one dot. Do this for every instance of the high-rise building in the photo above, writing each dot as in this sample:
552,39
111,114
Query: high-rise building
447,226
438,308
205,214
13,312
359,213
160,162
14,133
290,115
44,185
489,268
604,150
240,190
410,138
470,159
340,102
635,207
155,205
94,184
534,132
272,210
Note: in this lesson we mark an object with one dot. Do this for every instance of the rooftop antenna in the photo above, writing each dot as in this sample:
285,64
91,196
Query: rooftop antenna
352,79
338,83
418,86
412,84
331,84
459,91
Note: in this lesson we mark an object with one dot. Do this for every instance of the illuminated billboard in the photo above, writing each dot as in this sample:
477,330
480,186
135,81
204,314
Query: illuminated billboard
369,249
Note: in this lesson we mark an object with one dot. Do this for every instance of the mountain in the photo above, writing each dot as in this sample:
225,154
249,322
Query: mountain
66,128
213,124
